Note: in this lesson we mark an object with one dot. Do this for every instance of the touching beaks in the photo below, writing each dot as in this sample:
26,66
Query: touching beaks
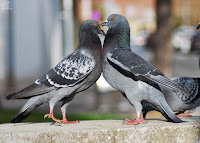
104,23
100,31
104,34
198,26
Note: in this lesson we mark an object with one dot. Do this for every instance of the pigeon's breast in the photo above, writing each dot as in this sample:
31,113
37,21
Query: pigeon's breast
92,77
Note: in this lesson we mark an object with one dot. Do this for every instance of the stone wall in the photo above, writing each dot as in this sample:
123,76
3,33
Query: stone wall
105,131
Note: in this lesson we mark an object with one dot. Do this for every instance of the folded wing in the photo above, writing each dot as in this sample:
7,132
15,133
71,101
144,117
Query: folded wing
129,61
67,73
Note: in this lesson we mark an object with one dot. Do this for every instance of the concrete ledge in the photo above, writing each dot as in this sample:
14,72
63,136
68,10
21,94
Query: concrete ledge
105,131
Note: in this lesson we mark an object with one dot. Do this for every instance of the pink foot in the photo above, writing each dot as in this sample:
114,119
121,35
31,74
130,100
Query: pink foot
50,115
70,122
137,121
187,114
65,121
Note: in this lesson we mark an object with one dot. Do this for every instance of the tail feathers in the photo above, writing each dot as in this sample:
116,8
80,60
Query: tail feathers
30,91
20,117
10,96
26,110
167,112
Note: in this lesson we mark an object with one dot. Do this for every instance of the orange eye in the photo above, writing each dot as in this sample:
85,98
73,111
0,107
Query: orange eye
113,19
95,24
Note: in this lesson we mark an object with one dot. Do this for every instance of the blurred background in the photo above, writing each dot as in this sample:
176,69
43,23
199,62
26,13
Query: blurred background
35,35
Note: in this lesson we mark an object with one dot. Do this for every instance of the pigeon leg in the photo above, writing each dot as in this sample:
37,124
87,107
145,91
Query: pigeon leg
138,120
50,115
65,121
65,104
186,114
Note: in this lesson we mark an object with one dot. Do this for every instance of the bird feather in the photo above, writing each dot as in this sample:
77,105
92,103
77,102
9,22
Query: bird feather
139,67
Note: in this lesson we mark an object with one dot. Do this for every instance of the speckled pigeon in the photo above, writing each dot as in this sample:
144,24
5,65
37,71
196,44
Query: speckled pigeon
73,74
127,72
178,101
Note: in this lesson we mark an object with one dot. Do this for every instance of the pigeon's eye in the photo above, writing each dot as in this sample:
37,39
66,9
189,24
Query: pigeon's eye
113,19
95,24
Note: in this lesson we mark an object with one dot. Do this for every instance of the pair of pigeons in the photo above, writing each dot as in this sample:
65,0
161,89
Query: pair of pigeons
145,87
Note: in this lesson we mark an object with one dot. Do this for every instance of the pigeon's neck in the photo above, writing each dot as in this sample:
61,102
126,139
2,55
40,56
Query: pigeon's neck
89,39
119,38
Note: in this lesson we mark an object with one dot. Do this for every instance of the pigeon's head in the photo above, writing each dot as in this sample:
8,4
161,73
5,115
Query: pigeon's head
198,26
118,30
90,27
116,21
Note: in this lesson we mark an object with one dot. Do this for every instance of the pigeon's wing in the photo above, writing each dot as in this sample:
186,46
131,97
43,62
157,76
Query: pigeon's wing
31,90
70,71
129,61
192,85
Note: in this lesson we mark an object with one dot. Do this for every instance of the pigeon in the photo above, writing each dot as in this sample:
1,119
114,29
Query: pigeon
127,72
75,73
178,101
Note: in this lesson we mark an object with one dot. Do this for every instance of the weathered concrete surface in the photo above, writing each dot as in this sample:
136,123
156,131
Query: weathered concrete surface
105,131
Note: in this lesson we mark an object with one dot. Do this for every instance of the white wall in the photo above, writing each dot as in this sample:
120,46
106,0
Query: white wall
37,36
33,25
3,36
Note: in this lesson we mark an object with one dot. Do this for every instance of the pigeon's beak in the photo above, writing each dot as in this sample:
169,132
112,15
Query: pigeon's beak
101,32
104,23
198,26
104,34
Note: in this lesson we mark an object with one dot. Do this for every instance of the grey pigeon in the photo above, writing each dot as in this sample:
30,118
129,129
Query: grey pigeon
178,101
127,72
73,74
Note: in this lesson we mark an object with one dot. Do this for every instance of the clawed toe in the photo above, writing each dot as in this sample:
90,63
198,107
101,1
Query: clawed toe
52,117
47,115
133,122
69,122
187,114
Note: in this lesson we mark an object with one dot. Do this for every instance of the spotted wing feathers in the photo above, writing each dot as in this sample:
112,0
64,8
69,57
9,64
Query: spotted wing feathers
192,85
70,70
